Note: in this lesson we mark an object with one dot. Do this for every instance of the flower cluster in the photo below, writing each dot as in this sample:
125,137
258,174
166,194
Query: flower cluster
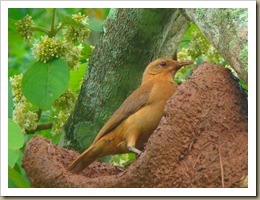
16,83
80,18
63,106
213,55
24,27
199,47
72,55
47,49
66,101
184,55
77,33
57,127
25,118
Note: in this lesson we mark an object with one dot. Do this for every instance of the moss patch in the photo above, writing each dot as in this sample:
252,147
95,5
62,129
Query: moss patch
244,57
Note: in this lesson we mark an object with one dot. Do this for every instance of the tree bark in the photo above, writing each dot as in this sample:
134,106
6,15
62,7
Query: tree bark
227,30
132,38
200,142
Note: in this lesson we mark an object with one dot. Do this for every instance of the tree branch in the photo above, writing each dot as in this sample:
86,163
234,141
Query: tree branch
227,30
40,127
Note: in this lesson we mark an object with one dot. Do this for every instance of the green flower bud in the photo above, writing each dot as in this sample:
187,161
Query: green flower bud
24,27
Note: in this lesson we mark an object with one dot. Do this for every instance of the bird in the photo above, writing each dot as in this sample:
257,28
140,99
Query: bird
129,128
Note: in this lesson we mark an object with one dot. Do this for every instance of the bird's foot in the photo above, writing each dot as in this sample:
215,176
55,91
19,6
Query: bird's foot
120,169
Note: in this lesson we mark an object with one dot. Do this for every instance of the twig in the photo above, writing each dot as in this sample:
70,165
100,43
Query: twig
44,30
40,127
197,160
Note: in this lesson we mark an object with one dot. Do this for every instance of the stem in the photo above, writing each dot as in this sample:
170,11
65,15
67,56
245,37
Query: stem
53,31
40,127
44,30
49,116
39,113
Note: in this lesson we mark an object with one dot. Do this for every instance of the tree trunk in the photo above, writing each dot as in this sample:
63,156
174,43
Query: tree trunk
200,142
132,38
227,30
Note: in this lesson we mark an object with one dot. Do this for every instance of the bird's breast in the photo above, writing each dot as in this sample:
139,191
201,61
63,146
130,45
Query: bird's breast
146,120
161,92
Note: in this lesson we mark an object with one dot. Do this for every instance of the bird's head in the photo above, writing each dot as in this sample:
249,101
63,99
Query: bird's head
163,69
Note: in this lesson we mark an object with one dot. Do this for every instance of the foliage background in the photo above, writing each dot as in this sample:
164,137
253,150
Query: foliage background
20,58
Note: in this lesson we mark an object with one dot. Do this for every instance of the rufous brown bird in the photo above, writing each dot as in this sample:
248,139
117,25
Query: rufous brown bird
131,125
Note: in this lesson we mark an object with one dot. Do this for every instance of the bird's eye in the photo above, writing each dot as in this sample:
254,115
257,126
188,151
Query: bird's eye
163,64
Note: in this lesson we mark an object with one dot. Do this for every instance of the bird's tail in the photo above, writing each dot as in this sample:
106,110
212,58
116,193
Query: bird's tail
99,149
85,159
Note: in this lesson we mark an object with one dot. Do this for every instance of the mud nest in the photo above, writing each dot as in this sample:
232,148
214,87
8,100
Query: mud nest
202,141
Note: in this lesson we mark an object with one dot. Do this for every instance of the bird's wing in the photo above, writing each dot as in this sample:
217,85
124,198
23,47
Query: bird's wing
132,104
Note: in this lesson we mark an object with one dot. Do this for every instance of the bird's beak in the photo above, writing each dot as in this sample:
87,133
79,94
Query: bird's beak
180,64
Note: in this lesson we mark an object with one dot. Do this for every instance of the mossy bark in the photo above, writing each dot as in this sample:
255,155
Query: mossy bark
227,30
131,39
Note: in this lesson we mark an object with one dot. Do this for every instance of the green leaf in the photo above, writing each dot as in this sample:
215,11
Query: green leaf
43,83
244,85
15,180
48,134
223,62
86,52
95,25
191,28
187,37
18,167
11,25
123,160
76,77
15,142
13,35
66,20
10,101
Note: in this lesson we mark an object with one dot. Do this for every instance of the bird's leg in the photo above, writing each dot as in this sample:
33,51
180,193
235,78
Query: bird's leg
135,150
131,143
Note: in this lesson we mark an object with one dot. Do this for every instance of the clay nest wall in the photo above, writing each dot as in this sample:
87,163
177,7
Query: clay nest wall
202,141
